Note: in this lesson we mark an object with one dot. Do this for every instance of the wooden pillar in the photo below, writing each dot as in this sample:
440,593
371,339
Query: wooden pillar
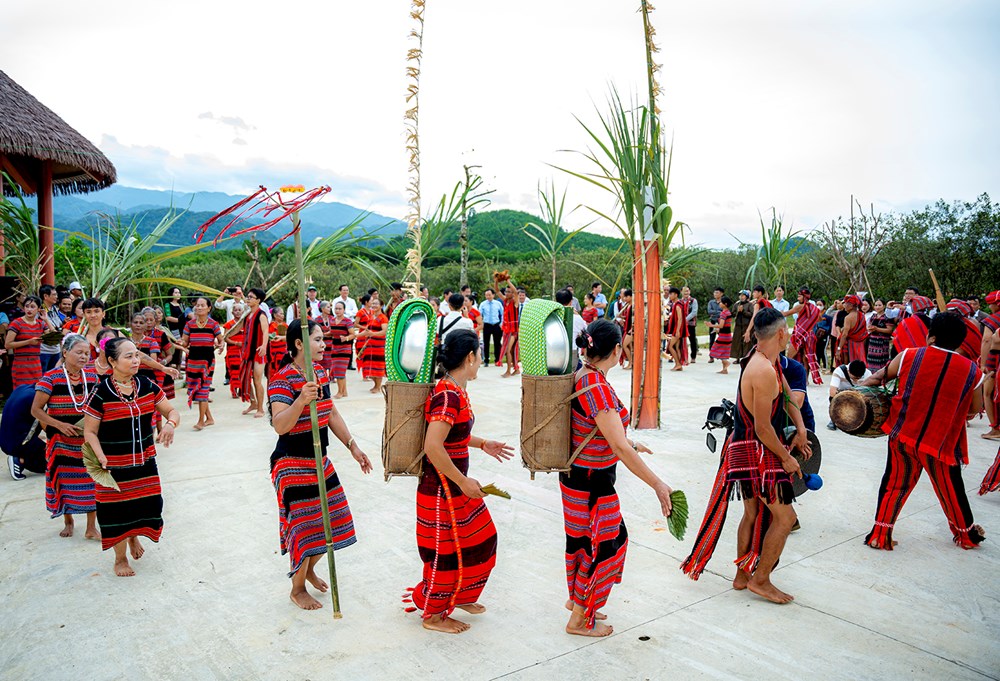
648,327
46,242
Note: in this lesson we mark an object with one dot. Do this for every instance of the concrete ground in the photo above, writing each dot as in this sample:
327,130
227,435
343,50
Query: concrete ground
211,600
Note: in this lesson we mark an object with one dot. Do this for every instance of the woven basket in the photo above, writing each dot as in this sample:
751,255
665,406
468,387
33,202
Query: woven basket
404,428
545,423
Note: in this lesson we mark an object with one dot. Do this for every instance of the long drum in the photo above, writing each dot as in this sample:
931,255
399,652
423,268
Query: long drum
861,411
404,429
545,422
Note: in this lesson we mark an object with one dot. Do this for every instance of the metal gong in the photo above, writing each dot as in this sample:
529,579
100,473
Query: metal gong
811,466
413,345
557,347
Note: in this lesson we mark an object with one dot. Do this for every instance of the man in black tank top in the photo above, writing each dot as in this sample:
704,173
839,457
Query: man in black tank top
760,401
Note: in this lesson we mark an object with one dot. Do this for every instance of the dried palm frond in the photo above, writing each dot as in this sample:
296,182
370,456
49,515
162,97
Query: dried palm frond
414,256
98,473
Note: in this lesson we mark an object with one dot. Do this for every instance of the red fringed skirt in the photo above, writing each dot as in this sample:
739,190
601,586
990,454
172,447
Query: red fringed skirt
137,510
68,487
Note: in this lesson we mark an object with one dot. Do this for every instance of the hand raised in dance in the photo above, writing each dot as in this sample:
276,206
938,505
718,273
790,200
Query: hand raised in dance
471,488
501,451
663,493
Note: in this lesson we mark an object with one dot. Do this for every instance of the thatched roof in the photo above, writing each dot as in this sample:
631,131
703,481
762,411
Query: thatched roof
30,132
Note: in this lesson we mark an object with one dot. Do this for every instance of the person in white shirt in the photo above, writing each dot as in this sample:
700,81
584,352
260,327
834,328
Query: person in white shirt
847,377
350,306
237,297
312,295
443,308
779,303
454,319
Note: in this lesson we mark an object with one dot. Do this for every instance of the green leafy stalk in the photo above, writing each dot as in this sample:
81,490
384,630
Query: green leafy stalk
550,236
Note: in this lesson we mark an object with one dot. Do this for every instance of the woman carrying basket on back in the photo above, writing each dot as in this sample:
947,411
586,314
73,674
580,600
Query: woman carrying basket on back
456,537
596,538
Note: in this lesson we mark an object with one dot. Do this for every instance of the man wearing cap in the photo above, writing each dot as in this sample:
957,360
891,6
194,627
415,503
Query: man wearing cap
989,358
75,290
803,341
312,295
852,343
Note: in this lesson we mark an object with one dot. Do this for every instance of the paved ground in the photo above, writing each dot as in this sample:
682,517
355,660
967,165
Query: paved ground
210,601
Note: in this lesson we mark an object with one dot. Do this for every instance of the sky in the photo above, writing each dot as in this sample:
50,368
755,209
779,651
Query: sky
785,104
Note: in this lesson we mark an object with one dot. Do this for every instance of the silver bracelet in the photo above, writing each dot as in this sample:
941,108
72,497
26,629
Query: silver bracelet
350,443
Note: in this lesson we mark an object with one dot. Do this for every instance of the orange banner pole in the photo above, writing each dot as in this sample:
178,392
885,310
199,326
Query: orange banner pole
645,402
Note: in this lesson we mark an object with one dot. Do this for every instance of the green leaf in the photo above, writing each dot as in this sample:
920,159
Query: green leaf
678,518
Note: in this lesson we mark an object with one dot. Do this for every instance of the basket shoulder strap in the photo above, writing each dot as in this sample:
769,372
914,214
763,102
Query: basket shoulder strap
555,412
586,441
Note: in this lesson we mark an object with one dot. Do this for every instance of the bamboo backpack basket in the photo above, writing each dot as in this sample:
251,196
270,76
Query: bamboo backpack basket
404,428
546,423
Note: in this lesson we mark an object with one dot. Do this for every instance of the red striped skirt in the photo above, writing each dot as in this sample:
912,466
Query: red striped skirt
596,537
68,488
198,377
300,514
276,355
233,365
25,368
338,366
857,350
457,542
372,361
722,347
135,511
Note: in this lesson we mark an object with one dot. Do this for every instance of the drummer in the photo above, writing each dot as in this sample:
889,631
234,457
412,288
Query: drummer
847,377
938,390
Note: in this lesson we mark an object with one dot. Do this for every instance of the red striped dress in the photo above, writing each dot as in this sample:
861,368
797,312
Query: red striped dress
325,323
233,357
911,333
926,428
26,365
456,538
293,474
164,381
253,339
596,537
724,339
68,487
201,358
127,438
510,325
857,337
804,337
277,349
151,347
372,357
72,325
341,354
677,327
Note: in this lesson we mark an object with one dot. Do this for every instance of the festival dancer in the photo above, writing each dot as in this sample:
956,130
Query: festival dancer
723,332
60,396
373,344
911,332
756,466
456,538
118,426
233,344
510,326
625,319
989,359
93,323
277,346
324,320
677,329
168,348
75,318
24,337
938,391
201,336
342,340
803,342
596,537
149,347
758,296
361,320
880,328
293,465
100,363
253,359
852,343
972,345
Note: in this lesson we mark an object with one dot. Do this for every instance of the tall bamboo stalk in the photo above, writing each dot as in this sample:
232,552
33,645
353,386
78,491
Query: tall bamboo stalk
310,376
414,256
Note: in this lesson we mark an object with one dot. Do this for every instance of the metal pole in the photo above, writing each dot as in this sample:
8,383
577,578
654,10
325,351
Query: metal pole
314,422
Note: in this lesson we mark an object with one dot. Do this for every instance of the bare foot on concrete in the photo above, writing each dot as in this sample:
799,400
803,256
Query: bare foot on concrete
875,544
317,582
209,422
597,616
472,608
67,530
249,409
92,533
136,547
304,600
577,627
741,580
123,569
764,589
197,426
724,371
445,625
994,434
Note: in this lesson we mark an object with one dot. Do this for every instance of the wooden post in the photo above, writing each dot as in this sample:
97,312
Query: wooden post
46,242
648,325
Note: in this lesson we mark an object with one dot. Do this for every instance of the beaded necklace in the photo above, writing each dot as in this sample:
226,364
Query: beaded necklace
135,414
78,408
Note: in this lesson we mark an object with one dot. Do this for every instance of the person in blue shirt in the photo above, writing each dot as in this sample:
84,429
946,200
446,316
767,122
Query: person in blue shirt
797,378
600,301
492,311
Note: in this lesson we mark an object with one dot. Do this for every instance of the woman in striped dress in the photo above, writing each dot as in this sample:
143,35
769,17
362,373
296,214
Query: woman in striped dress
456,537
372,355
60,396
293,466
24,337
156,324
278,346
880,330
118,426
596,538
325,321
724,340
72,323
150,347
342,340
234,348
201,337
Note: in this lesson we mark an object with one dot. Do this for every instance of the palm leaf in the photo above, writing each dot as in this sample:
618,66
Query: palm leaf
100,475
678,518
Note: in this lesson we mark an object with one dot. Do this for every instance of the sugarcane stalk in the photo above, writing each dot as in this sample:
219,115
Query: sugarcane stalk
310,375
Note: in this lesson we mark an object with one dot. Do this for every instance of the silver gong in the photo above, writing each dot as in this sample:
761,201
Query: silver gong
557,348
413,345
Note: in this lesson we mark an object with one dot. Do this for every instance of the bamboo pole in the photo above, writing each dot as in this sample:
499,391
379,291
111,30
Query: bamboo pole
314,421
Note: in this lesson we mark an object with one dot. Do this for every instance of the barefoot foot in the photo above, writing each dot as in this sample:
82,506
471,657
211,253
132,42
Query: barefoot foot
578,629
304,600
197,426
92,533
597,616
123,569
67,530
210,422
472,608
765,589
249,409
135,547
315,580
259,415
741,580
445,625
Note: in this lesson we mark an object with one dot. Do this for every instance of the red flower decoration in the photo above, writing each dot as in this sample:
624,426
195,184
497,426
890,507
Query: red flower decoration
266,204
